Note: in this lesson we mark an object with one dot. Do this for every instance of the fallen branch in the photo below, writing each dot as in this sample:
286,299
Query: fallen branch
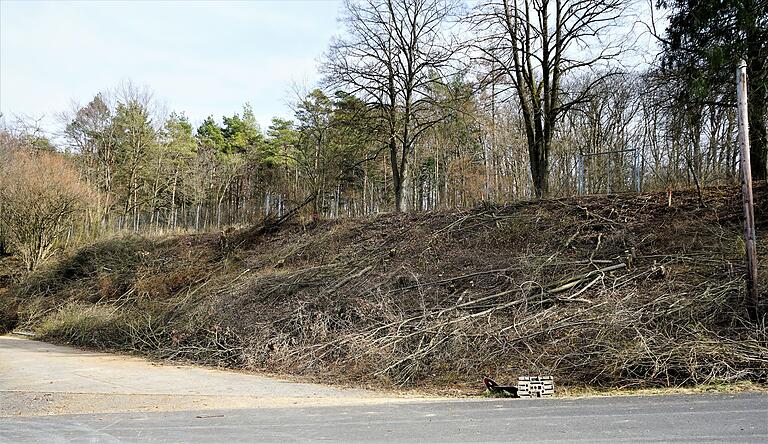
573,281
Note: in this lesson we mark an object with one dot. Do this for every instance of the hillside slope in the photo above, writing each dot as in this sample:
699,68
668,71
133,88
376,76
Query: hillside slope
601,291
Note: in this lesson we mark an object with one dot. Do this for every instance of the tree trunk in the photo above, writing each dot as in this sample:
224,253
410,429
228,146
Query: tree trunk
406,192
397,175
539,168
399,205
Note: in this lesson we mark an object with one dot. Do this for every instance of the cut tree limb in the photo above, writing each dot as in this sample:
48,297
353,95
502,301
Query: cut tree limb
571,282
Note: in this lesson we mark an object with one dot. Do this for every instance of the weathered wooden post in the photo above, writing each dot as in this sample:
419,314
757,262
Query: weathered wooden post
746,190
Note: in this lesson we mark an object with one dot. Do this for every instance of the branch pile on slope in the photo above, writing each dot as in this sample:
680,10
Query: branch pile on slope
601,291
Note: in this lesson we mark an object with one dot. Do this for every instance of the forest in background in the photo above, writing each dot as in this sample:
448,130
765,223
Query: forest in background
425,105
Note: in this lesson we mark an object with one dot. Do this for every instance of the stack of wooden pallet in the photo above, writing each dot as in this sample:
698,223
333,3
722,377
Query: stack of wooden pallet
535,386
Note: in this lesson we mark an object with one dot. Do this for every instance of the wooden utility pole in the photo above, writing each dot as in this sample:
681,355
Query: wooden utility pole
746,190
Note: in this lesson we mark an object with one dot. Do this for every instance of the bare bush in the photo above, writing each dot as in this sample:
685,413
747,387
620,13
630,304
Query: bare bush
41,195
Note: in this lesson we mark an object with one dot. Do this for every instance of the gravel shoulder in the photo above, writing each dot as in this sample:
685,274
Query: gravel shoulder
37,378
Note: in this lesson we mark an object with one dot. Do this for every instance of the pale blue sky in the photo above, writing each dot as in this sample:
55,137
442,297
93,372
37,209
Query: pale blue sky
198,57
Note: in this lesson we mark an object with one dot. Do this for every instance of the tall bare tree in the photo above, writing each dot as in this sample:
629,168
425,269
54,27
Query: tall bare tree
392,54
536,44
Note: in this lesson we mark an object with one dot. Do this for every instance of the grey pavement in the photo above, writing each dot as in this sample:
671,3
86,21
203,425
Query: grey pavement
51,394
679,418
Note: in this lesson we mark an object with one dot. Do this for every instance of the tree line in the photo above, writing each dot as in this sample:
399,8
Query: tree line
424,104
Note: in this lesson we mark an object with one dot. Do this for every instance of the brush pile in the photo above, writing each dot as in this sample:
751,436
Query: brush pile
599,291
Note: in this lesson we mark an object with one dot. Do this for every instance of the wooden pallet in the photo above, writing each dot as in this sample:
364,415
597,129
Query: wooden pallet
535,386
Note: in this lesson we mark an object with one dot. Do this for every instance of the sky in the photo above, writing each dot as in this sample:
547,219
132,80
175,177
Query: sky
202,58
198,57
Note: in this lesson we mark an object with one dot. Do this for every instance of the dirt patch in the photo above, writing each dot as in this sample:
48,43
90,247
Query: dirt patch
45,403
44,379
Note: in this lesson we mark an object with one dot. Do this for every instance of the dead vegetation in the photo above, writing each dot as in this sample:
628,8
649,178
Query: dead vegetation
598,291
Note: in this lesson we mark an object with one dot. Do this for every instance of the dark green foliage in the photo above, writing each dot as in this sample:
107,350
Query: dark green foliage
210,134
702,47
241,135
282,141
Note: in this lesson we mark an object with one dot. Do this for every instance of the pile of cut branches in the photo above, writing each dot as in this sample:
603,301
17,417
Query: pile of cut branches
602,291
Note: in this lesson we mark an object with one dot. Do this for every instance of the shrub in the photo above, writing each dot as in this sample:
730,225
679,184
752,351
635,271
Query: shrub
40,197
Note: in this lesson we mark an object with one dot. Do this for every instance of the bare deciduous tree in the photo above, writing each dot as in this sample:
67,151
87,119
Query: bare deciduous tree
41,195
536,44
393,53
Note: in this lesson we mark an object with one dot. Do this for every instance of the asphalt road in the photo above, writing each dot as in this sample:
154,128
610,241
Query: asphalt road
682,418
51,394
